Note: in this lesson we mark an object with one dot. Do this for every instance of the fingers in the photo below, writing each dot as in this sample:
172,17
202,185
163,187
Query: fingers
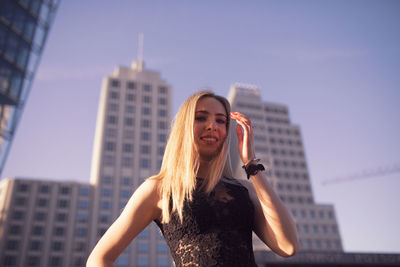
243,121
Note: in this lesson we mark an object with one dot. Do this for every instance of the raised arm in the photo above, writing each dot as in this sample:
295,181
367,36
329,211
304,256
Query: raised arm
273,223
141,209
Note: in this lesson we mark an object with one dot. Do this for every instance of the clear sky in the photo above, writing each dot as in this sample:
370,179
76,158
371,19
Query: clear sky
335,64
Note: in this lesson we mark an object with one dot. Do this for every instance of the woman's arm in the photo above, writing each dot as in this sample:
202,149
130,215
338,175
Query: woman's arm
273,223
142,208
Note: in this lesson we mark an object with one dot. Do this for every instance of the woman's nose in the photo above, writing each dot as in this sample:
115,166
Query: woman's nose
210,125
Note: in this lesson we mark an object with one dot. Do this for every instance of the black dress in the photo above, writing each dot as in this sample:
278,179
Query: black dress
216,228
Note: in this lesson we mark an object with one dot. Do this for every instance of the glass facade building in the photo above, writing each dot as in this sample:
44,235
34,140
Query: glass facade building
24,26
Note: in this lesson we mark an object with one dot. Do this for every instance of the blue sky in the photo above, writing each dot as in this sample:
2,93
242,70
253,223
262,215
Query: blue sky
335,64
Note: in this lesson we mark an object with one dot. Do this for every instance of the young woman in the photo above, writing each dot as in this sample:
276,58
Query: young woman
205,215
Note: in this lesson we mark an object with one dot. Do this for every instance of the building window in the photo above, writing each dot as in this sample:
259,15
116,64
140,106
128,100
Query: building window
112,119
162,113
55,261
107,179
42,202
161,151
145,136
145,149
147,87
122,261
37,230
142,261
127,148
129,121
105,218
105,205
81,232
59,231
84,191
44,189
64,190
143,247
146,99
162,125
144,234
131,97
130,109
111,132
162,101
23,188
61,217
109,160
110,146
162,248
83,204
33,261
12,245
113,107
126,181
15,229
129,134
162,90
146,123
115,83
162,137
125,193
10,260
146,111
145,163
82,217
114,95
127,162
20,201
63,203
131,85
40,216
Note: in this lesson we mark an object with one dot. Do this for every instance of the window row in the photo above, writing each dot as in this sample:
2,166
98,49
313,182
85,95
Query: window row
284,152
292,187
273,130
134,85
276,110
317,229
320,244
283,141
62,190
286,163
128,162
144,123
107,192
321,214
289,175
126,181
296,200
277,120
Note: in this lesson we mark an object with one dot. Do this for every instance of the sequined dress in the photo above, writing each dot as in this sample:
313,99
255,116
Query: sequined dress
216,228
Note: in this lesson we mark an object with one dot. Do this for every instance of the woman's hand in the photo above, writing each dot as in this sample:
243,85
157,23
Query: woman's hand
245,136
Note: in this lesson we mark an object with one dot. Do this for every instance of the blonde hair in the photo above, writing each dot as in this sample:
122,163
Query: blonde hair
181,159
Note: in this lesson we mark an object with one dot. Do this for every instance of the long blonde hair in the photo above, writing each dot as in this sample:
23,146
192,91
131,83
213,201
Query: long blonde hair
181,159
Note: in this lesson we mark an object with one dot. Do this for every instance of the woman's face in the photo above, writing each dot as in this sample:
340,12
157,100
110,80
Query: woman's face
209,127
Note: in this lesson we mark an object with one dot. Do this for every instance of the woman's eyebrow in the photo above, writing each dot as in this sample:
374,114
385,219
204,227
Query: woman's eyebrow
206,112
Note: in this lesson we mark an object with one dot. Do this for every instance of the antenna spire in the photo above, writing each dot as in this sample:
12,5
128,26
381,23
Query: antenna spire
140,47
138,64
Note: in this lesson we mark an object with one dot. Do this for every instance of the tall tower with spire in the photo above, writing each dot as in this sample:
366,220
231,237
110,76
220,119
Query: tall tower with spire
131,131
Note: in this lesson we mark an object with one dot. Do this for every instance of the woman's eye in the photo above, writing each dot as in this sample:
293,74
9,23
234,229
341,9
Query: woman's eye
200,118
221,121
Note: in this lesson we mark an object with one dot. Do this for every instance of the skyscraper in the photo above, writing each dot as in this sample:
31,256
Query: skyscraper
24,26
44,223
279,144
132,125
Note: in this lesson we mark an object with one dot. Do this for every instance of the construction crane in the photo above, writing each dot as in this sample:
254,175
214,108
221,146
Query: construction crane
370,173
